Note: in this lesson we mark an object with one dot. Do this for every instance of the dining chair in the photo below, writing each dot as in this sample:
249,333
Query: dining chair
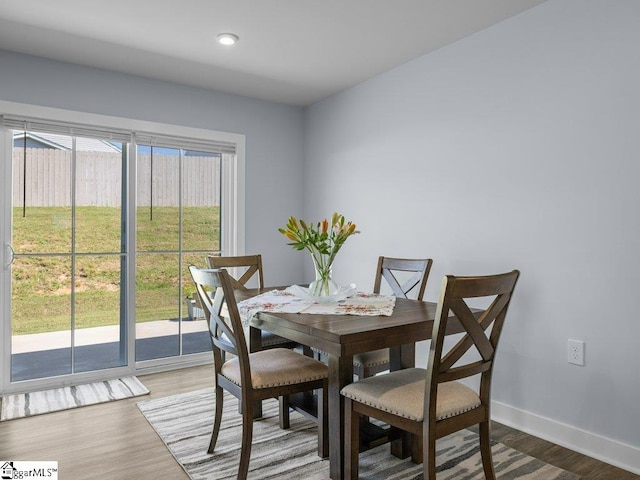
253,377
249,269
432,403
250,266
406,278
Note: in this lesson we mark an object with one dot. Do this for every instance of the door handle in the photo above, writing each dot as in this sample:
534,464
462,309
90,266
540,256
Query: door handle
12,256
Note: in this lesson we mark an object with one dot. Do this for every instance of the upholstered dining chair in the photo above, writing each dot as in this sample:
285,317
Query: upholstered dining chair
253,377
431,403
406,278
250,267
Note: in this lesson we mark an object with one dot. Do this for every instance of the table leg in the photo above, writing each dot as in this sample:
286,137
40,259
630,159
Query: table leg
401,357
340,374
255,345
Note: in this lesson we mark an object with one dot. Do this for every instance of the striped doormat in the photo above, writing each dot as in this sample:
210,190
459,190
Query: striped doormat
184,424
47,401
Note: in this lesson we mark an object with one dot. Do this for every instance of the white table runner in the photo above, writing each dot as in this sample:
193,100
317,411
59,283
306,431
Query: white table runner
287,301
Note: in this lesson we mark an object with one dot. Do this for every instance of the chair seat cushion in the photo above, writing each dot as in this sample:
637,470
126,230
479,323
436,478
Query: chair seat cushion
371,359
402,393
277,367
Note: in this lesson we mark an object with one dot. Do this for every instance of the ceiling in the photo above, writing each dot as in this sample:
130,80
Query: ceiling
290,51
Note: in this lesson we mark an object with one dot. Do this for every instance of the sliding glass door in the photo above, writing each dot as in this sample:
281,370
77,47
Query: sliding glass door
67,271
98,236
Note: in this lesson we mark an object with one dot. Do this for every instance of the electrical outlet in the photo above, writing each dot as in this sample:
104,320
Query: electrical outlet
575,352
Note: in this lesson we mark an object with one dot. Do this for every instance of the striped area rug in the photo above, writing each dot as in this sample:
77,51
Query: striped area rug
184,423
36,403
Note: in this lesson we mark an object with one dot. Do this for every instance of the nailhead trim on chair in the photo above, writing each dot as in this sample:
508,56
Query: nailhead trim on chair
380,357
402,393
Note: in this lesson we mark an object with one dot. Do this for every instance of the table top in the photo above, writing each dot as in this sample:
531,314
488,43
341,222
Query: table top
340,335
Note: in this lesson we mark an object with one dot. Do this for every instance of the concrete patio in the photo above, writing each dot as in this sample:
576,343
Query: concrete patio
49,354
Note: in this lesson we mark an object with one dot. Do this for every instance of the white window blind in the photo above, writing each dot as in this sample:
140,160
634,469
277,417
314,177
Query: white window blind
199,145
117,135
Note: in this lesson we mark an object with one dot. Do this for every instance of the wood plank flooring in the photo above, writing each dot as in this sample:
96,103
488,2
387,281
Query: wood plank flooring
113,440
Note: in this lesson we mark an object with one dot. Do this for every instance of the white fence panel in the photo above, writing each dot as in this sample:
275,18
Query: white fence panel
47,176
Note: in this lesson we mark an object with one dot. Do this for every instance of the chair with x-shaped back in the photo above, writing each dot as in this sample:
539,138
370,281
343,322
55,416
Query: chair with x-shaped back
432,403
406,278
253,377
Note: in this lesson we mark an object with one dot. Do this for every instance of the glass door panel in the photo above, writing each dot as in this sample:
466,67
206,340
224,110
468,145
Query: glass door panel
67,270
178,224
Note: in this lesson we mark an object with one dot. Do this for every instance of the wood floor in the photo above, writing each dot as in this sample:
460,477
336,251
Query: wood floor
113,440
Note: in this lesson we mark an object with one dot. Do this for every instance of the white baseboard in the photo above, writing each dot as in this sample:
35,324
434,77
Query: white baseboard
587,443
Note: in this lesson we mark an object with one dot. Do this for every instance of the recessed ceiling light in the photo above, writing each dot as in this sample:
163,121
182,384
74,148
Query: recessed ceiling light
227,39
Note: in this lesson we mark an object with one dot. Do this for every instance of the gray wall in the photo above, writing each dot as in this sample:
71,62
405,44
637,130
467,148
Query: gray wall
274,135
516,147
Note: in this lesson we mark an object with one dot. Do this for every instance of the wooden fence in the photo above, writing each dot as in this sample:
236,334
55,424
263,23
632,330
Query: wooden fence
47,178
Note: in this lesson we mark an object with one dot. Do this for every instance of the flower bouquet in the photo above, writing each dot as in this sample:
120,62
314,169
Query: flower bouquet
323,240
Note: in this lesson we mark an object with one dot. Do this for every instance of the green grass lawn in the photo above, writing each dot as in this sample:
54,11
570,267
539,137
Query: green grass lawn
41,288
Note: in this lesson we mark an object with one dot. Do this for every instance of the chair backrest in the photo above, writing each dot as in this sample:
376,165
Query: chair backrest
454,296
218,301
389,268
252,265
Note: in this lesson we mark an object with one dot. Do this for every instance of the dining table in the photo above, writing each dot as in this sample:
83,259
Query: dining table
340,337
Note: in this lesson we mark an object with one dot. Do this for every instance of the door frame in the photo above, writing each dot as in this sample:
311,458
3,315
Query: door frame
232,238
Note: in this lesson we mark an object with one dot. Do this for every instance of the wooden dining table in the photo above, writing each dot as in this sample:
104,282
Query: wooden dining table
341,337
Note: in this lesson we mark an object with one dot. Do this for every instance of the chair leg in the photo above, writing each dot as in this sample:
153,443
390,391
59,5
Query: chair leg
485,451
323,422
247,437
257,409
417,454
351,440
283,400
429,456
216,419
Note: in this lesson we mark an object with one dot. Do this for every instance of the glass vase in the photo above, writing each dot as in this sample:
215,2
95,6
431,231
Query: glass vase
323,286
